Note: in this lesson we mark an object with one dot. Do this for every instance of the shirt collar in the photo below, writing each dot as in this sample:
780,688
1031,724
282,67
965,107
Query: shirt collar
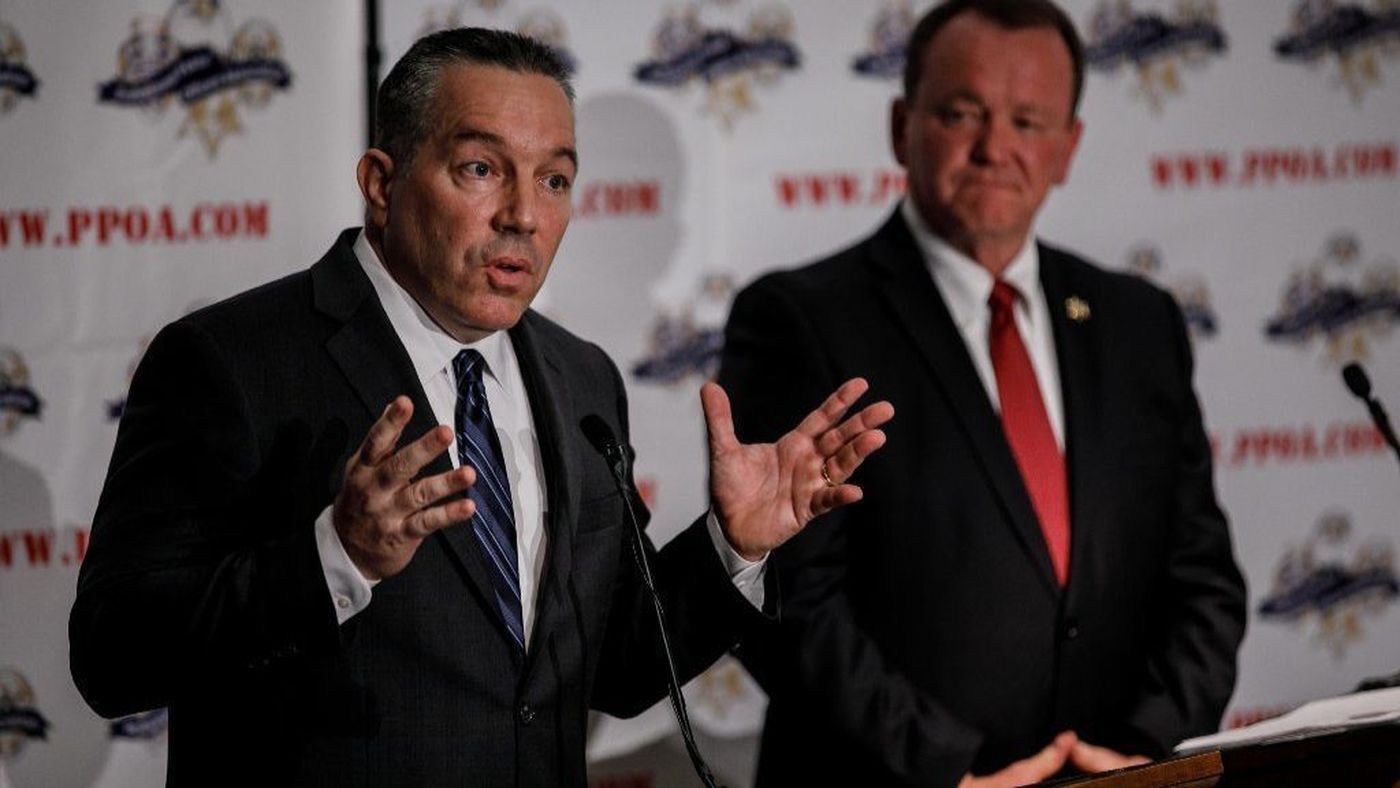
430,348
966,286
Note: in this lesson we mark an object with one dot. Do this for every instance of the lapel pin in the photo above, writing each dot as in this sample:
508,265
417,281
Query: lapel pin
1076,309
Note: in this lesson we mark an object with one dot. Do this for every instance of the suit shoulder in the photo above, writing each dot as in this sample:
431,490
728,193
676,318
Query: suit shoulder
837,272
1129,290
268,306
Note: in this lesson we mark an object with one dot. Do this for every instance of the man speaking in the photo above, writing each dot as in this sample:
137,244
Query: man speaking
1040,576
353,533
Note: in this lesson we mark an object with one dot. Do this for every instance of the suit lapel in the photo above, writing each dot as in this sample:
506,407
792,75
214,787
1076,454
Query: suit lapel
378,368
547,386
918,307
1076,350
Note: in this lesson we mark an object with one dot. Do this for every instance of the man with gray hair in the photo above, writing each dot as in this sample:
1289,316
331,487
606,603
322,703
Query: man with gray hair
354,533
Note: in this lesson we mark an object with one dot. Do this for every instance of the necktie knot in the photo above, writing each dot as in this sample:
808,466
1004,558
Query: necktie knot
467,366
1002,301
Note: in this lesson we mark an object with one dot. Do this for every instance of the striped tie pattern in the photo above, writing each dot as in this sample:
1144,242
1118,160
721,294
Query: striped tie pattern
494,521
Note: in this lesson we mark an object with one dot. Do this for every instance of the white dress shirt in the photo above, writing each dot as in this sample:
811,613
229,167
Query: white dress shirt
966,288
431,349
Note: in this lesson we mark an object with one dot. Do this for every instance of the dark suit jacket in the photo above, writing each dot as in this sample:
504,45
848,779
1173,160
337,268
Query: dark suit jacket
202,588
924,633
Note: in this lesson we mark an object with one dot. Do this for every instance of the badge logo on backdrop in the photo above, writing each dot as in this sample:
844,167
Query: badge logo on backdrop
1190,290
729,64
541,24
1339,301
18,400
20,719
1155,46
149,726
888,35
195,56
1357,36
686,343
16,80
1329,590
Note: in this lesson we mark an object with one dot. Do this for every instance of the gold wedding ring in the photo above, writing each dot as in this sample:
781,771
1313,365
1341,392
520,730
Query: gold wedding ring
826,477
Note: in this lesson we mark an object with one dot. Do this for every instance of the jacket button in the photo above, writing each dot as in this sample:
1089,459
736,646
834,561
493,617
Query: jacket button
527,714
1071,632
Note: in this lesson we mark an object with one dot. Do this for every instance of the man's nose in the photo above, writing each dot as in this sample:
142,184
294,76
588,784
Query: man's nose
994,142
516,213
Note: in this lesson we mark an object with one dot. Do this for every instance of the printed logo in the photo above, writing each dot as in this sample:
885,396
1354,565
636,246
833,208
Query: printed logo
688,343
1336,298
888,36
17,399
1318,589
1352,34
541,24
1155,46
195,56
685,52
146,726
1190,291
20,720
16,80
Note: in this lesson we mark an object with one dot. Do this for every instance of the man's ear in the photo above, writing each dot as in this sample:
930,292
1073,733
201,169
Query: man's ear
375,174
899,114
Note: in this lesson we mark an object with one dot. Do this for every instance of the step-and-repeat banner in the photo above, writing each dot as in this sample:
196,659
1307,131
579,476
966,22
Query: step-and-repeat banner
157,154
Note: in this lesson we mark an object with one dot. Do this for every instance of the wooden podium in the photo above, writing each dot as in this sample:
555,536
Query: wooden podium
1359,757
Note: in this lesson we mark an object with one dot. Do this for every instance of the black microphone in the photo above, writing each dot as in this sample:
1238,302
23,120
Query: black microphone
1360,384
601,437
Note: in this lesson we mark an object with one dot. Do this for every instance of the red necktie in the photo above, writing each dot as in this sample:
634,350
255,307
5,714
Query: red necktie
1027,427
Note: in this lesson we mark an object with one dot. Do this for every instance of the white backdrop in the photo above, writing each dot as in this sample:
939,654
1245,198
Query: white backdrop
1242,154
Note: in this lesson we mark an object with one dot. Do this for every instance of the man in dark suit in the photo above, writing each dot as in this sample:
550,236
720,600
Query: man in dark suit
329,586
1040,576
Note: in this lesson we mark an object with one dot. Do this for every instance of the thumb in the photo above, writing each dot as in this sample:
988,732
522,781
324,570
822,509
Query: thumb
719,419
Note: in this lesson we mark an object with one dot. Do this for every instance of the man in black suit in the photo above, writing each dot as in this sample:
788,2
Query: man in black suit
1040,576
329,586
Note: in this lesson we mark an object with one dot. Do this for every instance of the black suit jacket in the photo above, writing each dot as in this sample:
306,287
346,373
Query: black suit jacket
924,633
202,588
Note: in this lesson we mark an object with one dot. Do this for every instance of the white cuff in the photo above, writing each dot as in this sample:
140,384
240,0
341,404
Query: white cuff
746,575
350,590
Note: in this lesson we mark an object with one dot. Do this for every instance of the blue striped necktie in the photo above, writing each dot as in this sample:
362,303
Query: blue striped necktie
494,521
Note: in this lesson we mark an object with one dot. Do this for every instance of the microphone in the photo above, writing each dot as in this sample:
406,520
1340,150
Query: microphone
1354,375
601,437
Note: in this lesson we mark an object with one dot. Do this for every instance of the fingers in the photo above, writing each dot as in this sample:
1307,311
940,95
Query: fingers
1044,764
384,434
1092,758
404,464
421,523
426,492
1037,768
719,419
831,410
870,417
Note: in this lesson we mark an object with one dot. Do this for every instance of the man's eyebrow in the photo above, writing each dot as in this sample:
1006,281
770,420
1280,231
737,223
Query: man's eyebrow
495,140
477,135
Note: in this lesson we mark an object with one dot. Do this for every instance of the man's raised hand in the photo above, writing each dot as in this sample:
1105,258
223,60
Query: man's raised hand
381,514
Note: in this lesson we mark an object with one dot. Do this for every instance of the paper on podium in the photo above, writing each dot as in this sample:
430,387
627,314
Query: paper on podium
1320,716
